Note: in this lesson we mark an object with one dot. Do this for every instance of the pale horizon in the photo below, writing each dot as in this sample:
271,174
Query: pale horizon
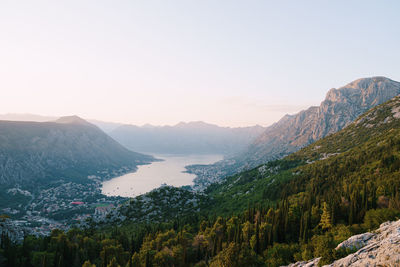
227,63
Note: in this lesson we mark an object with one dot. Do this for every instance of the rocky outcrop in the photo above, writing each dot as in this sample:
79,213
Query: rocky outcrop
382,248
340,107
310,263
379,248
356,241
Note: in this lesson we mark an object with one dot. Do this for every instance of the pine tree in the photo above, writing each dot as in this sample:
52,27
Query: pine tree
88,264
326,220
113,263
135,260
257,248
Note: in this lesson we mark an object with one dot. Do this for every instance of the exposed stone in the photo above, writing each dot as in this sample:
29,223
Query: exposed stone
310,263
356,241
380,248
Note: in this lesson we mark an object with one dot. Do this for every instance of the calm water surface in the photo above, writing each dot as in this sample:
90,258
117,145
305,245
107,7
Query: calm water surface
170,171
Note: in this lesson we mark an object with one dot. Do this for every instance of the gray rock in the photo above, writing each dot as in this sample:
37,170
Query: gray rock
310,263
356,241
381,248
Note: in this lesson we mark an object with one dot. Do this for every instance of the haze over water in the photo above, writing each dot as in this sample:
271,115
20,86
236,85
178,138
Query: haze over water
148,177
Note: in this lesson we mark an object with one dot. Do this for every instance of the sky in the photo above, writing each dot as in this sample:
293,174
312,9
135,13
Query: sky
232,63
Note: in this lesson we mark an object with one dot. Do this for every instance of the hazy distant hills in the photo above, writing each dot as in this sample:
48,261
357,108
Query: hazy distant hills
183,138
69,148
26,117
103,125
186,138
340,107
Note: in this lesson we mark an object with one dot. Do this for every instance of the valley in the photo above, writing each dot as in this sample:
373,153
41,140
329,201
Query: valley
199,133
287,209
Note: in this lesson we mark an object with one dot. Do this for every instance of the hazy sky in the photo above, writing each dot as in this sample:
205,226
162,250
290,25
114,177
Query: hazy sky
232,63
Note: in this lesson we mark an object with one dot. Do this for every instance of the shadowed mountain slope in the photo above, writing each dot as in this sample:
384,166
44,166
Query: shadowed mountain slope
69,148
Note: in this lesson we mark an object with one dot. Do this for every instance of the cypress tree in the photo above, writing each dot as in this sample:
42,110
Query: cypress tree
326,220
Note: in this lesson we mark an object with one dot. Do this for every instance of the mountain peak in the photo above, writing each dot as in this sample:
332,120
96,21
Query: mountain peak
366,91
74,119
366,82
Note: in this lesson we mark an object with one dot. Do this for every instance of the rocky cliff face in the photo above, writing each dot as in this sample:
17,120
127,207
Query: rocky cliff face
340,107
379,248
69,148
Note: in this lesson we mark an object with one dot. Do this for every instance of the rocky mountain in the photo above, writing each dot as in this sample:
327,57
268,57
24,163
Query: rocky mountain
340,107
69,148
347,157
186,138
379,248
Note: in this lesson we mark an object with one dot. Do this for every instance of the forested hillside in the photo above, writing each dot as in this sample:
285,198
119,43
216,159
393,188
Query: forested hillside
293,209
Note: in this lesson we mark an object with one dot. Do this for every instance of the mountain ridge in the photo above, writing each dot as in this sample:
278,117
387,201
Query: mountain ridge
340,107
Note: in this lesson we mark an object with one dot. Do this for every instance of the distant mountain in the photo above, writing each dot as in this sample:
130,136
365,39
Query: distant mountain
106,126
186,138
340,107
26,117
103,125
69,148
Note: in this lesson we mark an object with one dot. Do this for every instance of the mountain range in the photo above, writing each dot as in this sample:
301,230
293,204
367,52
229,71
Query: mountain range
340,107
186,138
194,137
